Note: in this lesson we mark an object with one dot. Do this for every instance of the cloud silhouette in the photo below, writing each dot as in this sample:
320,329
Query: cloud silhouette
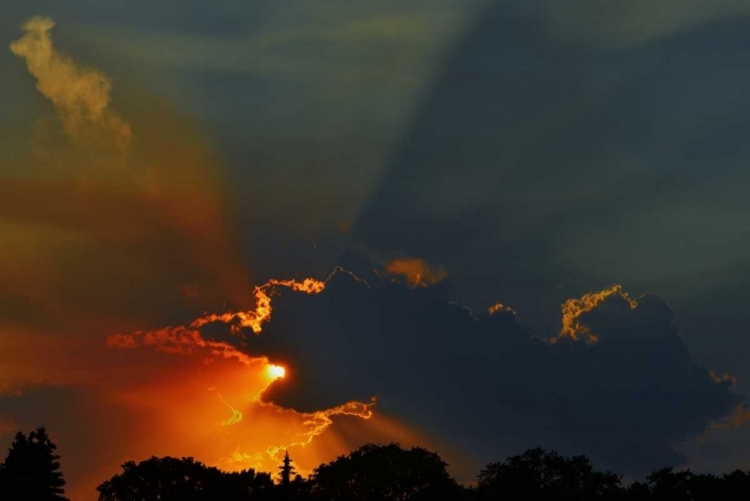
624,394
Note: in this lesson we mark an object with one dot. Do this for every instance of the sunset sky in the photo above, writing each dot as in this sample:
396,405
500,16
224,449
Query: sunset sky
230,229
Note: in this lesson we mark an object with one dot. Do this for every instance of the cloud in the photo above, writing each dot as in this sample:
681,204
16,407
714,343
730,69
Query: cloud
475,380
500,308
415,272
573,309
631,386
81,96
738,418
724,378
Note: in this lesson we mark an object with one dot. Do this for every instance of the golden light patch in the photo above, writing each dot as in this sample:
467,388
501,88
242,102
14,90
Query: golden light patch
415,272
500,307
572,309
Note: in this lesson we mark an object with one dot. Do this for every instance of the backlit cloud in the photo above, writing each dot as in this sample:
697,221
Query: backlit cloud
415,272
431,361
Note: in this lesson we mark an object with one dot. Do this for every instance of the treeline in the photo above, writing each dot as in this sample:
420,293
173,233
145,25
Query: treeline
31,472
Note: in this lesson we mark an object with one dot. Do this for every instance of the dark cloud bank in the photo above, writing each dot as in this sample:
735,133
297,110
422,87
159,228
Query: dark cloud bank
488,385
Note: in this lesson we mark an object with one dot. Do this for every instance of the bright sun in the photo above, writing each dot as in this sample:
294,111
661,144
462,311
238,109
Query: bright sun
276,371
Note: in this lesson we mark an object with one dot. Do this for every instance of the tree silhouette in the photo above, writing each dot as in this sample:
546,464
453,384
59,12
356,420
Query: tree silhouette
30,472
291,489
669,485
286,471
638,491
172,479
734,486
299,489
251,484
547,476
384,473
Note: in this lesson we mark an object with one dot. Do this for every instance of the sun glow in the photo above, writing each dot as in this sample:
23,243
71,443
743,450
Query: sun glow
276,371
201,403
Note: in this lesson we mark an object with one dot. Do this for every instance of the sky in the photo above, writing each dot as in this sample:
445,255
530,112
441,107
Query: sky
476,226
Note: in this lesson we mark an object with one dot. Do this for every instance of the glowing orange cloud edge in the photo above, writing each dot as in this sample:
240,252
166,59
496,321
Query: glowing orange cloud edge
573,309
186,339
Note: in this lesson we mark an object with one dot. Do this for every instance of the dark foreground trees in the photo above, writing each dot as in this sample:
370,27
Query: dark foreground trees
373,472
547,476
669,485
31,471
537,474
384,473
391,473
173,479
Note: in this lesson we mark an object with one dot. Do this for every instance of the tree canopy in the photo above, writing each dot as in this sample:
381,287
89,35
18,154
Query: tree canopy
172,479
546,476
384,472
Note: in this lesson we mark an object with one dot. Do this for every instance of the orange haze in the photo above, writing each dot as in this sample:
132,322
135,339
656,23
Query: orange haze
113,219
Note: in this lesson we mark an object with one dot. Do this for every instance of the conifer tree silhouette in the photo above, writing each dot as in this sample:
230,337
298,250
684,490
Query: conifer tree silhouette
30,472
286,472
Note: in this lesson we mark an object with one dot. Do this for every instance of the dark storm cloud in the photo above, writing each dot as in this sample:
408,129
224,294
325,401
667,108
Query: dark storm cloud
484,382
